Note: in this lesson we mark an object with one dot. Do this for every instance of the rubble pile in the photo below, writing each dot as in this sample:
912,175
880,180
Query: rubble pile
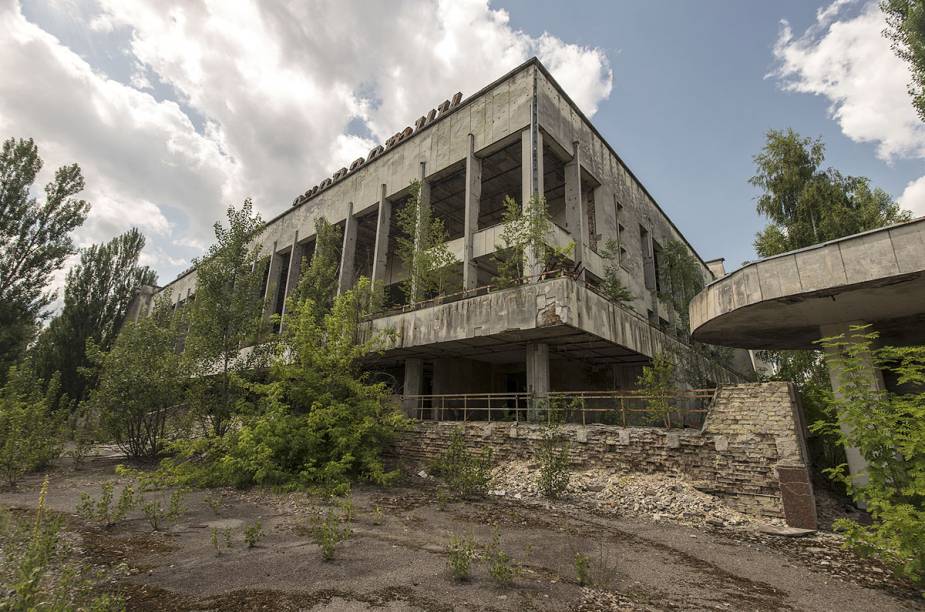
652,496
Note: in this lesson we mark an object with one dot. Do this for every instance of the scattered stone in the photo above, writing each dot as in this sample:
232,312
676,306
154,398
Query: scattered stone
785,532
658,497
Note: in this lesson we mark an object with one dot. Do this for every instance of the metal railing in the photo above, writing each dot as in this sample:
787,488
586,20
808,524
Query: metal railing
623,408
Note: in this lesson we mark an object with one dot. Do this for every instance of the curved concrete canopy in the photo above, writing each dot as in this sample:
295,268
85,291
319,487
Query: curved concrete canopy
781,302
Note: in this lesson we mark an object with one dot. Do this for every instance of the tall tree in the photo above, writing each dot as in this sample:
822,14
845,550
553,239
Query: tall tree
906,28
225,316
35,239
422,248
97,293
807,204
319,283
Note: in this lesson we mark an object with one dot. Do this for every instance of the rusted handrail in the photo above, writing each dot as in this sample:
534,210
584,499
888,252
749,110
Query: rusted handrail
686,407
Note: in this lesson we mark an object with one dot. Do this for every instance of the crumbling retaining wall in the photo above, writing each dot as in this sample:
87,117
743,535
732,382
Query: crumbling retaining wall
751,451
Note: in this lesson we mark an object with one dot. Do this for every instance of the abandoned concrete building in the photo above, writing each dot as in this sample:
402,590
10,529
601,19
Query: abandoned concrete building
519,136
554,333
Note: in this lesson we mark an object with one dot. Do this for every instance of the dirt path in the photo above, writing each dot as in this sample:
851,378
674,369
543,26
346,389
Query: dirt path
396,560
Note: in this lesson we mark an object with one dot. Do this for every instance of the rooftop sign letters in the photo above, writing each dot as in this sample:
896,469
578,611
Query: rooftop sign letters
425,120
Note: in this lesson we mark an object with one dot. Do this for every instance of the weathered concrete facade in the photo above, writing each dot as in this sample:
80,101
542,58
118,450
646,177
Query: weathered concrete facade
519,136
750,452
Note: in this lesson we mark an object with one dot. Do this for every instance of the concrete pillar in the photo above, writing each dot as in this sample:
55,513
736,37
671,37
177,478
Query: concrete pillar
857,465
348,252
537,376
531,183
424,203
381,249
292,279
269,292
414,384
471,220
575,216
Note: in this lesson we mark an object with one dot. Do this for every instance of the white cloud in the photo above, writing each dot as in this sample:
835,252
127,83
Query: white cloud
225,100
844,57
913,197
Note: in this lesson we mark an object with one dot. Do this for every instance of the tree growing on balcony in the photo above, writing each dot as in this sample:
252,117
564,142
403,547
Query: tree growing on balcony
319,283
422,248
613,288
524,234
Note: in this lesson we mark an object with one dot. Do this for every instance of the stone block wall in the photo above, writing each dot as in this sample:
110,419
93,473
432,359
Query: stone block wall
750,452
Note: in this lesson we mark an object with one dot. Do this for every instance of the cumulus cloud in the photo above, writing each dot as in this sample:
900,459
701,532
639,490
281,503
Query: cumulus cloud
844,57
913,197
222,100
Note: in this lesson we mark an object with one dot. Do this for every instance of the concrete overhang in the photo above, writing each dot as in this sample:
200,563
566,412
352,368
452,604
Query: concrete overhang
782,302
561,312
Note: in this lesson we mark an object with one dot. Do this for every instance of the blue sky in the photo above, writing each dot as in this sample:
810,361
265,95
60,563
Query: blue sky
690,105
177,108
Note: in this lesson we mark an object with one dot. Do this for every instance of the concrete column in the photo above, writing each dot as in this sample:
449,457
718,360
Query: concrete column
269,292
532,183
381,250
471,220
537,376
857,465
414,384
424,203
295,270
574,205
348,252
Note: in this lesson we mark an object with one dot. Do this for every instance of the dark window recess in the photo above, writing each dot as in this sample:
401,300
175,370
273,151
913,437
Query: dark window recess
658,264
266,277
648,263
592,221
281,290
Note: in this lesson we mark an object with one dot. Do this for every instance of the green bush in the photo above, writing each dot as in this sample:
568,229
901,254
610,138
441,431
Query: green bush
500,564
555,468
30,435
101,510
583,569
37,574
464,473
317,422
253,533
460,553
889,431
329,533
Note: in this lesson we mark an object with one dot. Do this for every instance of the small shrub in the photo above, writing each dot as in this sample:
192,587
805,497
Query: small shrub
460,553
175,507
555,469
227,535
378,515
30,434
500,564
214,502
253,534
466,474
329,533
40,576
101,510
125,504
583,569
346,509
154,513
213,537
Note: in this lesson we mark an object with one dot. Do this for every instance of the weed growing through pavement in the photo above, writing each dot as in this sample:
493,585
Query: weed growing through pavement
460,553
330,532
253,534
